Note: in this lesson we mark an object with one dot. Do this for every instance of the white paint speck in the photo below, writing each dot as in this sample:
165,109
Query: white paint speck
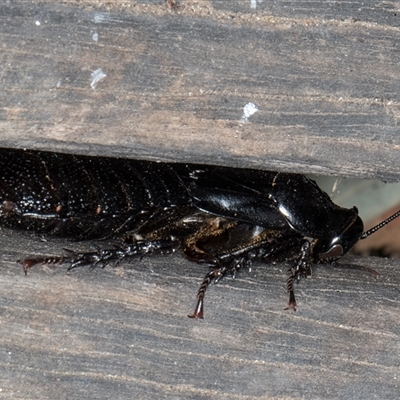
253,3
97,76
37,23
95,36
248,110
58,84
99,18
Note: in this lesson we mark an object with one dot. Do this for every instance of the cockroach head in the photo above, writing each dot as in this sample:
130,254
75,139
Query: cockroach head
343,242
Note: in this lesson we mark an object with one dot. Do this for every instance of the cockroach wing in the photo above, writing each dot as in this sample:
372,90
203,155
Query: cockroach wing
239,206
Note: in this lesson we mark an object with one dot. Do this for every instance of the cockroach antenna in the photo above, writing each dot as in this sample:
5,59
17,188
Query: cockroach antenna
380,225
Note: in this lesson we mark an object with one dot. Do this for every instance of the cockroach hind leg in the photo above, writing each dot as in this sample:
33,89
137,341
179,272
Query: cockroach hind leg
126,251
91,259
28,263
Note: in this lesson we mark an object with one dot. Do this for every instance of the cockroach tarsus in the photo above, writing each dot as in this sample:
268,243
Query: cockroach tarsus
223,217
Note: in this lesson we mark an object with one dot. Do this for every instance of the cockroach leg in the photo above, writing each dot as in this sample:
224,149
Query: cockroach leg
302,268
28,263
215,276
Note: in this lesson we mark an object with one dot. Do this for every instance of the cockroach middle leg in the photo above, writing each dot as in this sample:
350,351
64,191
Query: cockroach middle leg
215,276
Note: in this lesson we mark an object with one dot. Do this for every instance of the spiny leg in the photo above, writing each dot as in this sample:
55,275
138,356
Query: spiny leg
215,275
127,250
301,268
28,263
104,256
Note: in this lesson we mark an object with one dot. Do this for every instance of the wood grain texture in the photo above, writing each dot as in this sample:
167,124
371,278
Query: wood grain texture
123,332
323,75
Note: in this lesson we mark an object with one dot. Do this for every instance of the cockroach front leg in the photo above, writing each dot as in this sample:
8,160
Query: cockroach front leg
301,268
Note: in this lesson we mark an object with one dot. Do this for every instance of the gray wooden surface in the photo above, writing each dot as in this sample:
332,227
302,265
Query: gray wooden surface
123,332
324,76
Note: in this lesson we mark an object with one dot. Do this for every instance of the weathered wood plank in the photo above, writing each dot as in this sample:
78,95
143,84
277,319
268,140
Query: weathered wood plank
123,332
323,76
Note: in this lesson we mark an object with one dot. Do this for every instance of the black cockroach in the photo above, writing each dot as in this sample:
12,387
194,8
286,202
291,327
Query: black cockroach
226,218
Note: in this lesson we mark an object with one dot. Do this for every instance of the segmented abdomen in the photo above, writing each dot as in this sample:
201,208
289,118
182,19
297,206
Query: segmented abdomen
84,197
